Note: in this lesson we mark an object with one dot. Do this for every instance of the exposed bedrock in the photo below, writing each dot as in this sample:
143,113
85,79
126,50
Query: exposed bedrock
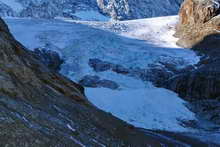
201,85
50,58
154,73
199,29
197,19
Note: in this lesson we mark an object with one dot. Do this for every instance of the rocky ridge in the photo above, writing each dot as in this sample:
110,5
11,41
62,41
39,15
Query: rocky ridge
116,9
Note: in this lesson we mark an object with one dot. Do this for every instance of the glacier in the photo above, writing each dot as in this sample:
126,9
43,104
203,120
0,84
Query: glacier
133,43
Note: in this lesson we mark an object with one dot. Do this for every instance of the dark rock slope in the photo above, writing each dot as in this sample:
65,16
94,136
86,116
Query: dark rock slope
199,29
201,84
50,58
39,107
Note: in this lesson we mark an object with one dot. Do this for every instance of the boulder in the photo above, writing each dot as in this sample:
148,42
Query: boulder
99,65
96,81
89,81
108,84
197,19
120,69
155,73
50,58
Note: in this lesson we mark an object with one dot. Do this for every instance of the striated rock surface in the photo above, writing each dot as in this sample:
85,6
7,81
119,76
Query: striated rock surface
198,29
201,84
202,81
198,18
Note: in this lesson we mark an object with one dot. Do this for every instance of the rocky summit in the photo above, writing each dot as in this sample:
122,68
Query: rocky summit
198,18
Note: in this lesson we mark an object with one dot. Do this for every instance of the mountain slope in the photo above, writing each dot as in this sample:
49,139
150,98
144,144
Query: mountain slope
116,9
40,107
134,9
79,42
145,48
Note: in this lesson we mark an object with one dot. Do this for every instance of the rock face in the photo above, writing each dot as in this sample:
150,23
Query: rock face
202,81
208,109
157,74
199,28
50,58
116,9
201,84
198,18
95,81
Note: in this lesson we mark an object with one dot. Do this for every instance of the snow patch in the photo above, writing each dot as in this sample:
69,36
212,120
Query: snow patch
150,108
71,128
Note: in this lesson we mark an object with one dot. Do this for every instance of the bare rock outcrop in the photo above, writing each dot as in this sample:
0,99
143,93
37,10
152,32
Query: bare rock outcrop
199,29
49,57
198,18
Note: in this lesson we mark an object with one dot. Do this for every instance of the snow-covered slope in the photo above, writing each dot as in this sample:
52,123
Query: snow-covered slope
147,107
116,9
129,43
137,43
